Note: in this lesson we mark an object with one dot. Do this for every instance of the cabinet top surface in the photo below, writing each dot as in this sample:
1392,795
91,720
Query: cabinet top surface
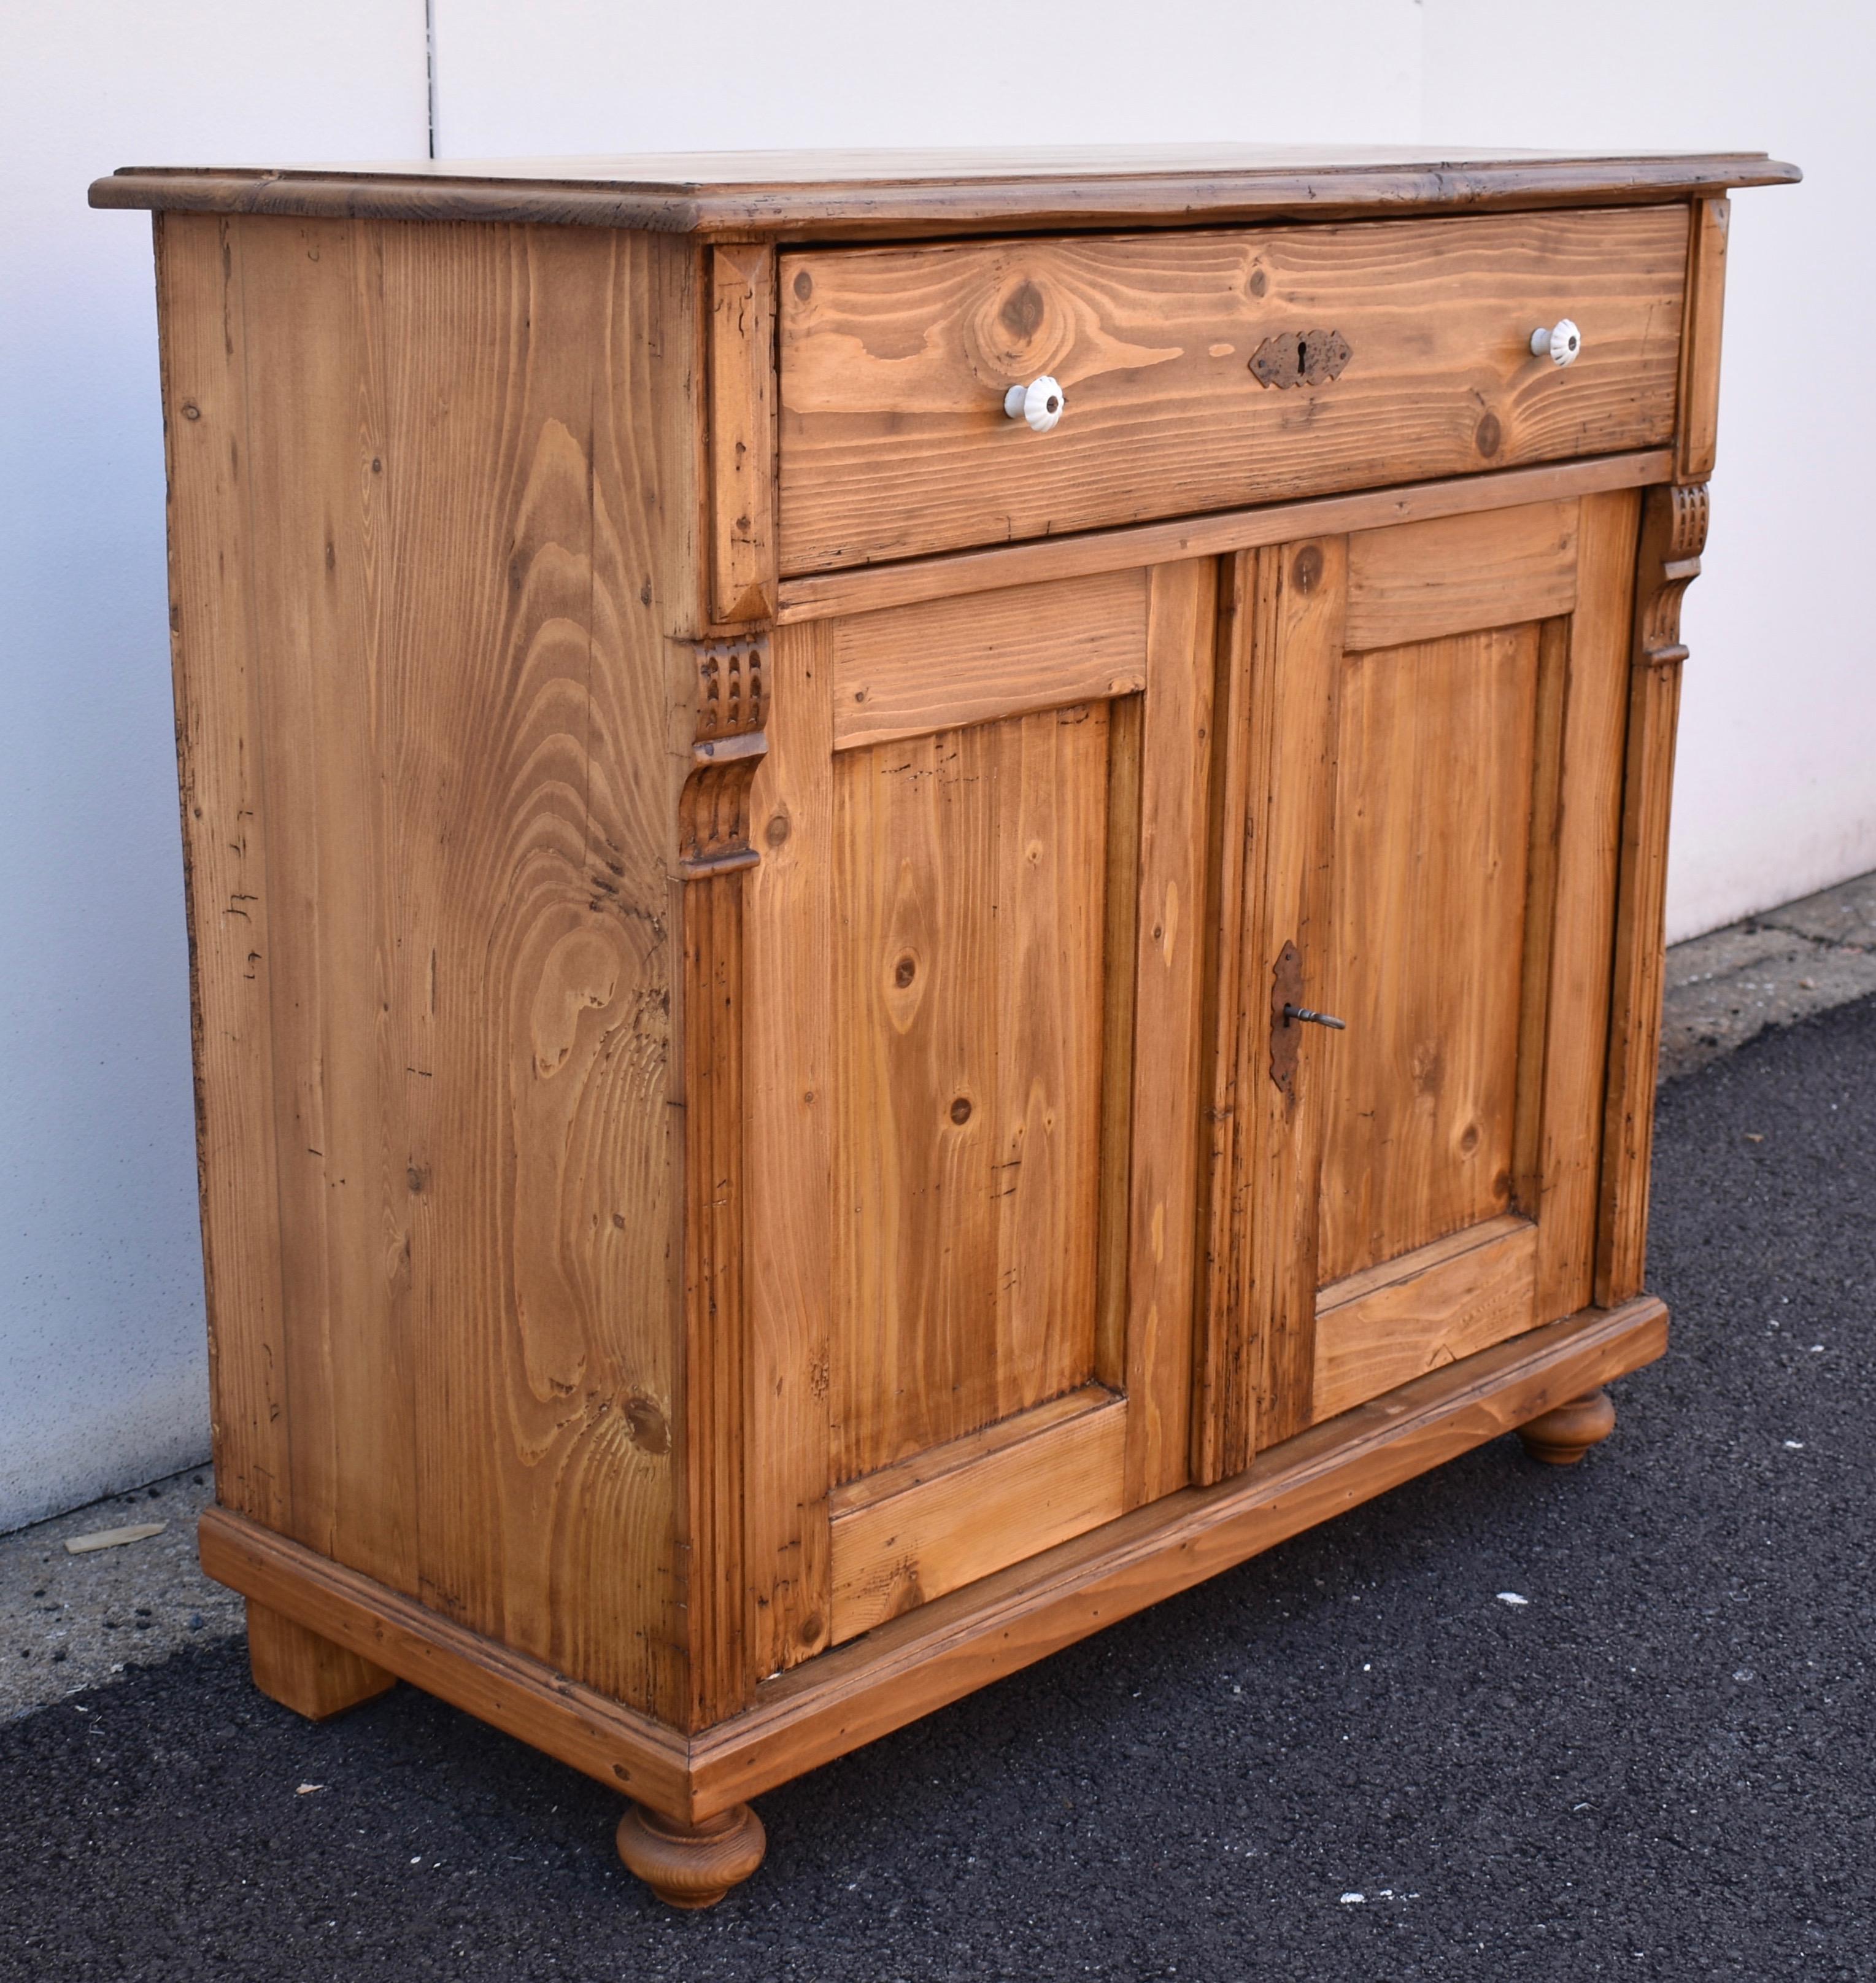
830,193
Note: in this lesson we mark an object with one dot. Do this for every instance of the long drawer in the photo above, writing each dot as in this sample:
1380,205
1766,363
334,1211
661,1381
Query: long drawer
1206,370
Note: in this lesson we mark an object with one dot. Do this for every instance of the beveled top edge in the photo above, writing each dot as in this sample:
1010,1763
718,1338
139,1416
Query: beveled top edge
878,192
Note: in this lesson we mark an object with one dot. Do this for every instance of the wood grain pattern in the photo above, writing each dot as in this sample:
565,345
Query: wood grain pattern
301,1671
789,1067
1389,1324
714,856
1458,574
615,1745
1533,1142
872,588
894,443
1224,1387
1696,442
712,1434
1472,898
955,662
1570,926
996,1504
424,653
1119,997
745,1157
1433,790
1295,662
1673,531
970,878
742,431
1561,1436
950,1648
224,865
691,1866
318,526
1012,1173
825,194
960,1454
1167,1061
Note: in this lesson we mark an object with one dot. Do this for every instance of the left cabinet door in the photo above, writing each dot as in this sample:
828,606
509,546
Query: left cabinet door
973,957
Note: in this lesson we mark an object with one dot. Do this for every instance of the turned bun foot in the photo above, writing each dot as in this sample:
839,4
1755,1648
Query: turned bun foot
1563,1435
692,1865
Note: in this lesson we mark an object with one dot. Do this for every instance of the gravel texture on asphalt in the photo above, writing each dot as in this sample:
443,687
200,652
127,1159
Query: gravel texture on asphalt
1351,1758
69,1622
1784,964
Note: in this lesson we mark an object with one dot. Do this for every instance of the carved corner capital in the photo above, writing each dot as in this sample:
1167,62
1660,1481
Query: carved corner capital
732,706
1674,533
1690,507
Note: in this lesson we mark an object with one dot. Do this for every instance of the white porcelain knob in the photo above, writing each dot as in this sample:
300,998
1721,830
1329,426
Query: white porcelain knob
1040,403
1560,344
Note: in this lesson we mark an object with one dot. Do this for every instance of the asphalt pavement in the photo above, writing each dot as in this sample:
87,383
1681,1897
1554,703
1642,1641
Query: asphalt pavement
1355,1757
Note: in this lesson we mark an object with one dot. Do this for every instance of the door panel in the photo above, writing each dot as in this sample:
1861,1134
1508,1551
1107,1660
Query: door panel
1457,575
969,902
918,1529
955,661
982,904
1394,1323
1434,784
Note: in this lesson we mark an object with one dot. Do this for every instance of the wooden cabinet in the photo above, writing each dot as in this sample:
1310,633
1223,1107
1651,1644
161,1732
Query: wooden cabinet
839,1040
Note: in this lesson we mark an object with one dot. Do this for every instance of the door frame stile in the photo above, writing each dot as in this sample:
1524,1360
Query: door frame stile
1168,1058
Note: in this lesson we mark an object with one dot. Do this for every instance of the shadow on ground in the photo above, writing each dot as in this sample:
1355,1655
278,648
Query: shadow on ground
1350,1759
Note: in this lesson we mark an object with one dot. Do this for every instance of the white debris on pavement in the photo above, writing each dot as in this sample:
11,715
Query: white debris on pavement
102,1539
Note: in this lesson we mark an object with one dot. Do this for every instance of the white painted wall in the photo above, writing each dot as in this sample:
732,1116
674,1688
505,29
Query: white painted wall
101,1381
579,75
1775,778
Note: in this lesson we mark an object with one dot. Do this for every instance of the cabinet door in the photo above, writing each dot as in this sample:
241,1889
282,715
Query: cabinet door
974,945
1427,722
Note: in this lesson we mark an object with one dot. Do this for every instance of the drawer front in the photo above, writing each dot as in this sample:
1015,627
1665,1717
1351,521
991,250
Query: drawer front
1176,353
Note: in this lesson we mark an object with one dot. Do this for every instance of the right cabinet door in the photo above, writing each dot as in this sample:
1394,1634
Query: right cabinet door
1424,750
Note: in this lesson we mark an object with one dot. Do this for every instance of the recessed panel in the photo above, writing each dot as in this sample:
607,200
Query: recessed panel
1434,792
970,897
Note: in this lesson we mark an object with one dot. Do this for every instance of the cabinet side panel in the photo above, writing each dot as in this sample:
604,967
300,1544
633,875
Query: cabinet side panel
224,855
319,523
470,526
